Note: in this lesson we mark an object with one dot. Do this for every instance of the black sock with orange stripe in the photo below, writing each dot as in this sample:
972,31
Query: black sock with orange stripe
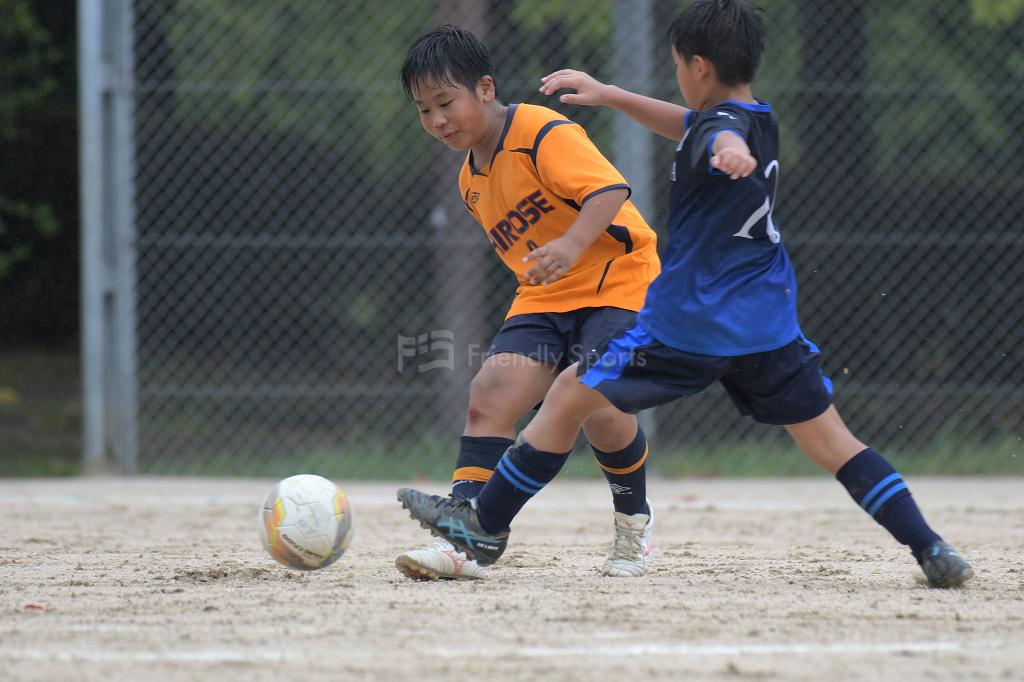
478,455
626,472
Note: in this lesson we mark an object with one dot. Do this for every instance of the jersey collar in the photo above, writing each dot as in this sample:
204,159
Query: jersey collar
501,140
760,106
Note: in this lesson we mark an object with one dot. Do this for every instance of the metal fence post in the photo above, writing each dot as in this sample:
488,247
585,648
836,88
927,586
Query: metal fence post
108,235
122,177
90,95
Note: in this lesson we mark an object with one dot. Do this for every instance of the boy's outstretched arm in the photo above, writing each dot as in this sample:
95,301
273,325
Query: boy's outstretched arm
555,258
732,155
662,117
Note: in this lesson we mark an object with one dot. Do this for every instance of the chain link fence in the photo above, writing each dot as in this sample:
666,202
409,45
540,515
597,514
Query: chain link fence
312,295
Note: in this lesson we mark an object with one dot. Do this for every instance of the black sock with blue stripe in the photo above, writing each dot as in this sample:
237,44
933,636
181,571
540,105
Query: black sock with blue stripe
627,475
522,472
880,491
478,455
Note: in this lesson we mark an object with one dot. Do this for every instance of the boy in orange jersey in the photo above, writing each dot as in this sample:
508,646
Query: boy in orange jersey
557,214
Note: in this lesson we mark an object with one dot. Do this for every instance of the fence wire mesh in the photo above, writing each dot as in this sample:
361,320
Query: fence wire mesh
312,295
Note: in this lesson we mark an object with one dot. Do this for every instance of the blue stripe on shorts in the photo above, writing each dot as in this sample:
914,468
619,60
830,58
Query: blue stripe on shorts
616,356
814,349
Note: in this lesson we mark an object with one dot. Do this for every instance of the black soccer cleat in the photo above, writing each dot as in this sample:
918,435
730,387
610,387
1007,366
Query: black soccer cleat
944,567
456,520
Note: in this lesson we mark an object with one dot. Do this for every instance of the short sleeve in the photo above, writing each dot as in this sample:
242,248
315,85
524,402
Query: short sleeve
709,125
571,165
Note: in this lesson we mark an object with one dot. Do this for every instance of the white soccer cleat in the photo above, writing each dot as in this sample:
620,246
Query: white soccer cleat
631,554
439,561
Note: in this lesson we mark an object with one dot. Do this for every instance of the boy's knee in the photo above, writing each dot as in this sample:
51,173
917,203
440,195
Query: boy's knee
491,402
484,404
473,415
607,420
569,397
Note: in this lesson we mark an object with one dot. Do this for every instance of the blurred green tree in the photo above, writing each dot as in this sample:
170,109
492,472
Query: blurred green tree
38,179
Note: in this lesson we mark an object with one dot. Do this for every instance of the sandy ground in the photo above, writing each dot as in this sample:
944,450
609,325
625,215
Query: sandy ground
164,579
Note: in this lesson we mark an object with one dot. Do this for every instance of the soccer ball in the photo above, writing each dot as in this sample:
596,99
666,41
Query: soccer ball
306,522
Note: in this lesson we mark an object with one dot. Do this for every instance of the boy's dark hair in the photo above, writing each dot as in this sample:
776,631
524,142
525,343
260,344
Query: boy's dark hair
729,33
446,54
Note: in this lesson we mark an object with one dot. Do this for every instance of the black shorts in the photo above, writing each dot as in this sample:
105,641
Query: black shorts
560,339
635,371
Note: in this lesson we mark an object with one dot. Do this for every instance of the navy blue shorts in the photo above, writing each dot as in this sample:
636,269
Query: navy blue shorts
560,339
635,371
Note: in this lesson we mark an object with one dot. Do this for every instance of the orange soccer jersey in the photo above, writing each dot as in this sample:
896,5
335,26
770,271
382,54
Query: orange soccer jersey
544,169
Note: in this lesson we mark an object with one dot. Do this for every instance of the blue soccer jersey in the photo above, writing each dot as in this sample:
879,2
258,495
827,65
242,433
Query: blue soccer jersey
727,286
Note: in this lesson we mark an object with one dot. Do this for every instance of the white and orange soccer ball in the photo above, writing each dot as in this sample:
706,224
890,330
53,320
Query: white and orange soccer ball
306,522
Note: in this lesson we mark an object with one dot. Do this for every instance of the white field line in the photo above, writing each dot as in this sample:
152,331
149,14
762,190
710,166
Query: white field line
686,649
239,655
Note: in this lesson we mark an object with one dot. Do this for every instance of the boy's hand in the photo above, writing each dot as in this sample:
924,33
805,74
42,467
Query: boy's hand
553,260
734,162
589,91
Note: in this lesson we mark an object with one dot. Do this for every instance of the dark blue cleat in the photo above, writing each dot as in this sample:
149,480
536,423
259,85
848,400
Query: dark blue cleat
944,567
456,520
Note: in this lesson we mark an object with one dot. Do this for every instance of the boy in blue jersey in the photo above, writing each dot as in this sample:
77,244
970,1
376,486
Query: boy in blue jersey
722,309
